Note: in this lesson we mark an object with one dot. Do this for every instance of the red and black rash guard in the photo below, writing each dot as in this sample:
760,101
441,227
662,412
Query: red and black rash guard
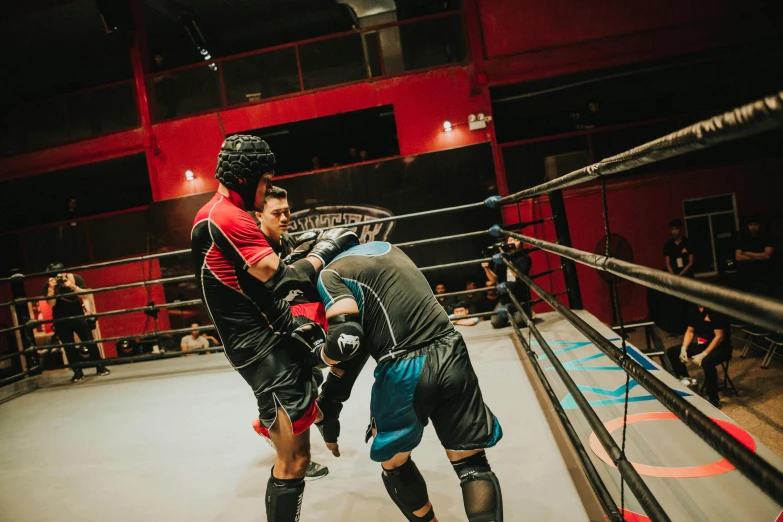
225,242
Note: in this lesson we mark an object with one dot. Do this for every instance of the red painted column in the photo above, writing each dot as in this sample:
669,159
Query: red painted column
142,102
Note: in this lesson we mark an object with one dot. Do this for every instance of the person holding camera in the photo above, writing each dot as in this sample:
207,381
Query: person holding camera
58,291
501,274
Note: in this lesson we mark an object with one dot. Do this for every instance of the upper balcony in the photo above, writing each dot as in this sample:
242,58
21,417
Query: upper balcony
360,55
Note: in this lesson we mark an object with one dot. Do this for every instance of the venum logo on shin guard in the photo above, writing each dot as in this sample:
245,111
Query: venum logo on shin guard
334,215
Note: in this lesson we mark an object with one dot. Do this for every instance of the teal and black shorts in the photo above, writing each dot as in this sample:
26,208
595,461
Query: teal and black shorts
435,382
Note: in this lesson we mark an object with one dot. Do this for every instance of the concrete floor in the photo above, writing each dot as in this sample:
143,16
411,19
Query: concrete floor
759,406
171,440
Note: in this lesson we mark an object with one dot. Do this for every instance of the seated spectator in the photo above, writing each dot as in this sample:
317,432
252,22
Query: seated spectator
488,300
194,341
461,310
471,300
708,342
446,302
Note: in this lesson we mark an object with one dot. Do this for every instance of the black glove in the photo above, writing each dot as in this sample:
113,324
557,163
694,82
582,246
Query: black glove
303,245
311,339
329,426
332,242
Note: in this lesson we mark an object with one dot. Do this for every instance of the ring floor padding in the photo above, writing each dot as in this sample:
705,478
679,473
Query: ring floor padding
172,441
690,480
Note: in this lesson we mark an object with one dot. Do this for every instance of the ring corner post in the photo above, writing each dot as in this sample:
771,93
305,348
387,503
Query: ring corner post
564,238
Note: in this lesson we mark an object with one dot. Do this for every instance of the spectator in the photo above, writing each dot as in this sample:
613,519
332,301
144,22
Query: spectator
167,97
755,259
488,300
471,300
707,340
679,260
353,156
461,310
316,162
677,252
194,340
521,261
446,302
363,156
58,290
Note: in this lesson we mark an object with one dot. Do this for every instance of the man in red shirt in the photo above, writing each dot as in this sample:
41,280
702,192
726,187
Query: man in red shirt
244,283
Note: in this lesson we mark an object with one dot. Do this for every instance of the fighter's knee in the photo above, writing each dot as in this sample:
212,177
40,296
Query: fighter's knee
480,489
408,490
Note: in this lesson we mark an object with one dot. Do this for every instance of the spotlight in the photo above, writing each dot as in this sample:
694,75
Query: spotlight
447,126
472,118
480,116
189,175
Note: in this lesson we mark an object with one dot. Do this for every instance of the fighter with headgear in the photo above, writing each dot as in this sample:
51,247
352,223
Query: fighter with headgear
243,283
378,303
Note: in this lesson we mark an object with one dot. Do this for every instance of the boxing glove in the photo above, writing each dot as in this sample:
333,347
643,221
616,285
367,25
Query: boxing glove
333,242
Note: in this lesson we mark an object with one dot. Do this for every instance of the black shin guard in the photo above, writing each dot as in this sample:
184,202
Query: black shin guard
284,499
408,490
480,489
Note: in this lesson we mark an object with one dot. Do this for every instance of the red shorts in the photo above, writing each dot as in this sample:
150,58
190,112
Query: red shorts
313,311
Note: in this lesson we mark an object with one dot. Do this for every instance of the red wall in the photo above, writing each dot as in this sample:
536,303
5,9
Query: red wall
518,26
529,39
640,209
72,155
422,102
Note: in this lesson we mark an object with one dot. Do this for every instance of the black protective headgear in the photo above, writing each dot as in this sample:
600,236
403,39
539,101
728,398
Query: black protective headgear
242,162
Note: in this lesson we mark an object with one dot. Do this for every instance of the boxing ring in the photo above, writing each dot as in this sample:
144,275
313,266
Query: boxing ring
93,453
593,428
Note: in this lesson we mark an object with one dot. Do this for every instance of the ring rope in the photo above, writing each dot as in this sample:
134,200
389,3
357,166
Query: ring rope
627,471
34,323
619,314
440,239
758,310
154,335
162,281
425,213
747,120
102,264
593,477
768,478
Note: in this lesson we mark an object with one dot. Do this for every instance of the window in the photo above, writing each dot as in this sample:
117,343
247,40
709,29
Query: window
711,224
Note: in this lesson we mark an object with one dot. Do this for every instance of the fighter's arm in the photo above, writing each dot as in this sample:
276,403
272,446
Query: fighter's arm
345,336
335,391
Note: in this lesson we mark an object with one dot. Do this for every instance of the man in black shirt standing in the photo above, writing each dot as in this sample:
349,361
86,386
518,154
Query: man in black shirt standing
755,257
378,302
707,340
679,259
58,291
677,252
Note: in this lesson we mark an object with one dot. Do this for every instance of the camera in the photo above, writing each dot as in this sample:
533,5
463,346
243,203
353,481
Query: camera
494,248
61,279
